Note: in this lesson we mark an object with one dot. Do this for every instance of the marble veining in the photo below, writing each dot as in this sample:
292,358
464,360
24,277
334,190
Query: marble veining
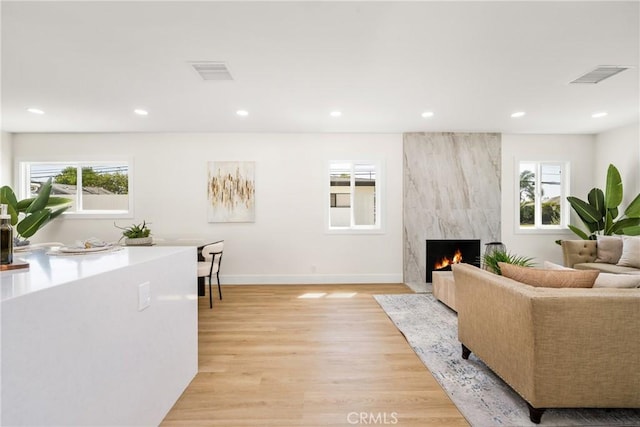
451,191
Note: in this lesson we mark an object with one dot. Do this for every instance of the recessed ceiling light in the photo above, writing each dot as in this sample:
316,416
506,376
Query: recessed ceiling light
518,114
242,113
335,113
427,114
35,110
141,112
600,114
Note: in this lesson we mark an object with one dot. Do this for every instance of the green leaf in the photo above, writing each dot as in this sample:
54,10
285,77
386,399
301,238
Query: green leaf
633,210
24,204
596,199
585,211
57,201
58,212
8,197
608,223
579,232
40,202
594,227
619,226
632,231
32,223
613,189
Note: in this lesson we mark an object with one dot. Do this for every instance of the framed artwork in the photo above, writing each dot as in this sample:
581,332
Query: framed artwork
231,192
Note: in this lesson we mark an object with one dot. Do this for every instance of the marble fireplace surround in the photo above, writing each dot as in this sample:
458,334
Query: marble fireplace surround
451,188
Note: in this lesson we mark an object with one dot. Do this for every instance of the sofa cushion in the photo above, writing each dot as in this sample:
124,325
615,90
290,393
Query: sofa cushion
630,252
550,278
606,268
578,251
609,249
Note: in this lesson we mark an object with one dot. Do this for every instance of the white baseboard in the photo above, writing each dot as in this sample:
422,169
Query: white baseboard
308,279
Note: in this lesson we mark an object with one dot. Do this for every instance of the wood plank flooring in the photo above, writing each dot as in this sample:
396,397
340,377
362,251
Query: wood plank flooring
268,357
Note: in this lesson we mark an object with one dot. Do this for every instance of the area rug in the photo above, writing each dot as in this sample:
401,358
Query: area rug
431,329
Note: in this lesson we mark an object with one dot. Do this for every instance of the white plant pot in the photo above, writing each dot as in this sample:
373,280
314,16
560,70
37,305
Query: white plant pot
138,241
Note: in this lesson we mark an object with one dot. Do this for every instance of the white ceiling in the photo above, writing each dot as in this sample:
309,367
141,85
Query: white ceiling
88,65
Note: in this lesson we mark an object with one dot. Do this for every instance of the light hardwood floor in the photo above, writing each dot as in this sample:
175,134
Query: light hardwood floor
268,357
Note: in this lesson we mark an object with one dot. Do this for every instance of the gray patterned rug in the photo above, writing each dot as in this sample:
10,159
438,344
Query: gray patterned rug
431,329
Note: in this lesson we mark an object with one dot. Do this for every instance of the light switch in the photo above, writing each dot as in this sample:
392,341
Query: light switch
144,295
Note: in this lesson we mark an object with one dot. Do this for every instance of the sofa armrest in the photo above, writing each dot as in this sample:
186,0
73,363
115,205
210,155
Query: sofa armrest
495,323
578,251
587,348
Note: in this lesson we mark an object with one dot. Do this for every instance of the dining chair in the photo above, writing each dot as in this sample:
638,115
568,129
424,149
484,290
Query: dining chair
212,255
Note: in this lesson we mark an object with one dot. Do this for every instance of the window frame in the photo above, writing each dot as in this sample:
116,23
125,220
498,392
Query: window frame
378,227
23,173
538,227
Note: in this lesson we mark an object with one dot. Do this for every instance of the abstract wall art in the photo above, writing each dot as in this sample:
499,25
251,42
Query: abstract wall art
231,192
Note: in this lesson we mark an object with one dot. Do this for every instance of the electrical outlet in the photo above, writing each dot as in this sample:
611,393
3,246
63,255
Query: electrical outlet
144,295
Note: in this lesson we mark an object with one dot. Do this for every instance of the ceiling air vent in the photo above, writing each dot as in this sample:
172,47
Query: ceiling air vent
599,74
212,70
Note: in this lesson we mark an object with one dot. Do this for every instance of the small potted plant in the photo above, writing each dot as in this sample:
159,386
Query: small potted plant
136,234
490,260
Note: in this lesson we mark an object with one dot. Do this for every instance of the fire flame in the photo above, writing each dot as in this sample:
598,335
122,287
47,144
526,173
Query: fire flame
445,262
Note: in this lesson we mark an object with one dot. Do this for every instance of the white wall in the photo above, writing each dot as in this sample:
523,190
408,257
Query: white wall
6,156
620,147
579,150
287,243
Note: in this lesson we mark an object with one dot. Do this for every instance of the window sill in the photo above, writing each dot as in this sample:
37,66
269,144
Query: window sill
347,230
543,231
97,215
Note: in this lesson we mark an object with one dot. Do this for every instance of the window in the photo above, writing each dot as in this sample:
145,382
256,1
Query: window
96,188
542,195
354,195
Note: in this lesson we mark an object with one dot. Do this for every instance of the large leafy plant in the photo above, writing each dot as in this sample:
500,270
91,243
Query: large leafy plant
601,214
30,215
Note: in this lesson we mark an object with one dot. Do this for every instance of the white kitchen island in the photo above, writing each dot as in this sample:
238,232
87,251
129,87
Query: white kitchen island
105,338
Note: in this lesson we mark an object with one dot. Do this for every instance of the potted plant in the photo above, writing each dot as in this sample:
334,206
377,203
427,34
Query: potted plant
601,213
31,214
136,234
490,260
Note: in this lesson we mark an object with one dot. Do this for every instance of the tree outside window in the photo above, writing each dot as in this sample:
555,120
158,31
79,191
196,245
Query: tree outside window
97,188
542,191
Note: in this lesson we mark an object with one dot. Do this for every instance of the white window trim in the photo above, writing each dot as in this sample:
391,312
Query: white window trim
379,228
22,187
541,229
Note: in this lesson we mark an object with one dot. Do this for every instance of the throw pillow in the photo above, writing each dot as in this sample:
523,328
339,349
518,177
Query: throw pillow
549,278
609,249
630,252
604,280
611,280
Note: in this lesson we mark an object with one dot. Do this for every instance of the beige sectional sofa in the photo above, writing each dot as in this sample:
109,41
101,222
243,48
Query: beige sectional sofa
556,347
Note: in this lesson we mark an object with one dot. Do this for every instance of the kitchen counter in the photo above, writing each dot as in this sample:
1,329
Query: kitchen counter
103,338
46,271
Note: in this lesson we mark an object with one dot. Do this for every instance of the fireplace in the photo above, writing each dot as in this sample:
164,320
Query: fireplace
442,253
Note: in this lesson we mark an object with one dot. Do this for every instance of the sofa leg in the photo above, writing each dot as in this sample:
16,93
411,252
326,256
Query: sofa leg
465,352
535,413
